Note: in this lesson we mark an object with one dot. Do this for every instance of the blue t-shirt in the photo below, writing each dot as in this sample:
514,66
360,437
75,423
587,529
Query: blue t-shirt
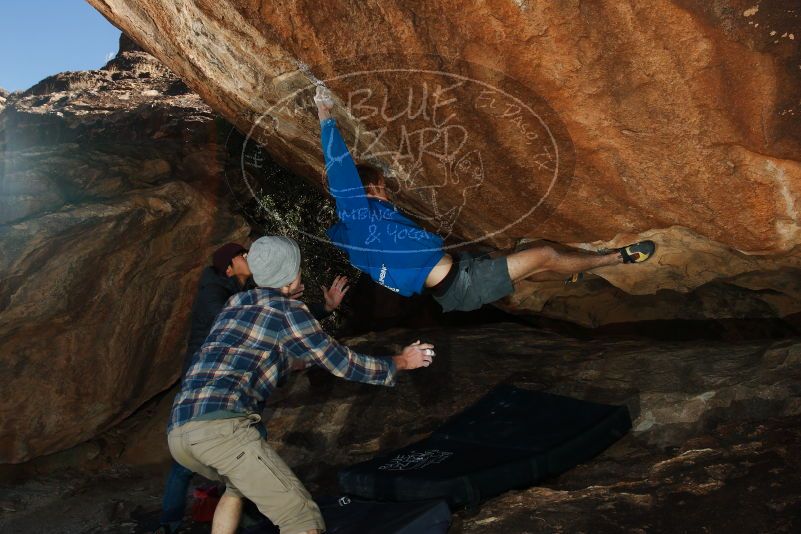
379,240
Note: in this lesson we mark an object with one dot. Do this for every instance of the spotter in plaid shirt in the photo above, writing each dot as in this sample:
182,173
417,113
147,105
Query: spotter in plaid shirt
251,347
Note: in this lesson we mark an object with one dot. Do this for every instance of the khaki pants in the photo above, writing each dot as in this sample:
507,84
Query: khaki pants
232,451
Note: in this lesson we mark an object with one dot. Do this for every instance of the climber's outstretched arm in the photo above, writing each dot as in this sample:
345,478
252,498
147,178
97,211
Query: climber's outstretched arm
344,183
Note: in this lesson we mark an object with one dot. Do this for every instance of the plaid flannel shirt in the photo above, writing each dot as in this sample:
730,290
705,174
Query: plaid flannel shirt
250,349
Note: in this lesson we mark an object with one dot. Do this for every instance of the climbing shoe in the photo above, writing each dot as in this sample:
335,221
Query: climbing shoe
637,252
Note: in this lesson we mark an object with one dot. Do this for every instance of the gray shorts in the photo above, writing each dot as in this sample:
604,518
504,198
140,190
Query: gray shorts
477,281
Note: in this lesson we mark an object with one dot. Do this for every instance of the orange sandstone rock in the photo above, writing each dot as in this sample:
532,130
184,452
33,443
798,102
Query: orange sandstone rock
580,122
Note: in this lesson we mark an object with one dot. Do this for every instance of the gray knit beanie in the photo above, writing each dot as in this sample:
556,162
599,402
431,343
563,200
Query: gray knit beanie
274,261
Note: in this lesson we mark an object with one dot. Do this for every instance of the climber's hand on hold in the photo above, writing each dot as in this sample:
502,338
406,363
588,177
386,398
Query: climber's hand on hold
325,102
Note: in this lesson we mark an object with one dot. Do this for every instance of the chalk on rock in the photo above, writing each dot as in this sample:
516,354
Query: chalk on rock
323,96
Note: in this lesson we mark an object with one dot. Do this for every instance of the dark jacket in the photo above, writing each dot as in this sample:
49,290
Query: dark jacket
213,292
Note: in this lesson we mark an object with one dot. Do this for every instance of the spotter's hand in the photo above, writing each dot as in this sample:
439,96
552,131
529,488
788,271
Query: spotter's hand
333,295
415,356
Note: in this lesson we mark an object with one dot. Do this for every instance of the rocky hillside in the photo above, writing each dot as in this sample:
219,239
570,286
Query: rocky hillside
592,123
111,199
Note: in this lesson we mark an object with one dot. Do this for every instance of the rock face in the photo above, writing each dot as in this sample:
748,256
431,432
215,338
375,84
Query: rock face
714,424
110,201
674,390
710,422
690,488
586,123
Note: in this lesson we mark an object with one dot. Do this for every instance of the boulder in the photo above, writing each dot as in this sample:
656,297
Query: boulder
111,200
674,390
715,423
690,487
592,124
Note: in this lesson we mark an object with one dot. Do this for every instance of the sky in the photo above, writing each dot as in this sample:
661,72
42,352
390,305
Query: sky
43,37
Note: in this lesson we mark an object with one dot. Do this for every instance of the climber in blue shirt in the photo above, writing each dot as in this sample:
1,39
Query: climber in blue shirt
405,258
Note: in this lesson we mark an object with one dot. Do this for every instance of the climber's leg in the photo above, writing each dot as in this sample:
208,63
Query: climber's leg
547,259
